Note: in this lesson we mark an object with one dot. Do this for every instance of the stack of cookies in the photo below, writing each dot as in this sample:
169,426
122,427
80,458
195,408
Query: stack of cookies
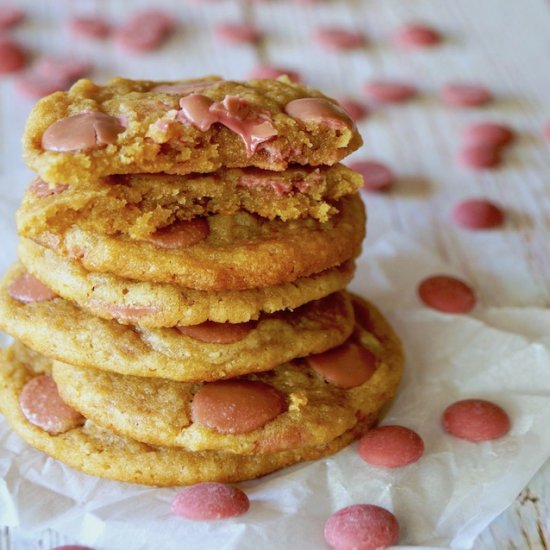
179,308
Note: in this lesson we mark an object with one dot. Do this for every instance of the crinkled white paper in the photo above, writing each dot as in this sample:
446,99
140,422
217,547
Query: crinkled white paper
443,501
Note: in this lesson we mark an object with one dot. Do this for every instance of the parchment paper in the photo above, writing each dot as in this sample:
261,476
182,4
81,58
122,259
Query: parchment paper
442,501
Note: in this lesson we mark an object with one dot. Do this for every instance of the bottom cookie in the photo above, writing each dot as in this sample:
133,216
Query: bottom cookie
98,452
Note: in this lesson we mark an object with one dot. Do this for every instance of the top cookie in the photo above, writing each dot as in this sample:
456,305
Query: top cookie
133,126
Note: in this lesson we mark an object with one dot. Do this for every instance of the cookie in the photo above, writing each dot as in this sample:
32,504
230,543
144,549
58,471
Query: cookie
221,252
165,305
127,126
99,452
293,405
59,329
138,205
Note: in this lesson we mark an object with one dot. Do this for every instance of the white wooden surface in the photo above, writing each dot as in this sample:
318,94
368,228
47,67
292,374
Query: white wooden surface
502,43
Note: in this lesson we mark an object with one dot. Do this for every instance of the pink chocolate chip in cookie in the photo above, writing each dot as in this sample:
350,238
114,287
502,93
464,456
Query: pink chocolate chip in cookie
320,111
124,314
346,366
218,333
182,234
42,406
252,124
236,406
42,189
87,130
361,527
210,500
28,289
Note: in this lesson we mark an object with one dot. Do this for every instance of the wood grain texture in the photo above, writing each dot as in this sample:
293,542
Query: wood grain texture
501,43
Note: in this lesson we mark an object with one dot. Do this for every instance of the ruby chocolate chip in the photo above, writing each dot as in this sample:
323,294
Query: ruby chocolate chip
81,132
236,406
42,406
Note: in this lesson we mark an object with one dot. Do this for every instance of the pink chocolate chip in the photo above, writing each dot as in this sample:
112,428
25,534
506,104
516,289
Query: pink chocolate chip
125,314
27,289
210,500
487,134
10,16
181,234
475,420
42,406
237,33
93,26
480,157
272,72
145,31
416,35
458,94
337,38
391,447
446,294
236,406
477,214
34,86
362,527
386,91
252,124
218,333
59,68
355,109
87,130
12,56
346,366
42,189
376,176
319,110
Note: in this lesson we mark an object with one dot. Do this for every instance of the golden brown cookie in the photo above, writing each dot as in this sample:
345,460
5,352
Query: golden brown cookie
165,305
138,205
59,329
220,252
296,404
99,452
128,126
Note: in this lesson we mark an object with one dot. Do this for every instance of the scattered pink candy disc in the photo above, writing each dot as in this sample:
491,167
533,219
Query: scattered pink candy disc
458,94
475,420
480,157
446,294
361,527
338,38
237,33
272,71
376,176
90,26
490,134
355,109
207,501
218,333
416,35
477,214
386,91
10,16
146,30
12,57
35,86
391,446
